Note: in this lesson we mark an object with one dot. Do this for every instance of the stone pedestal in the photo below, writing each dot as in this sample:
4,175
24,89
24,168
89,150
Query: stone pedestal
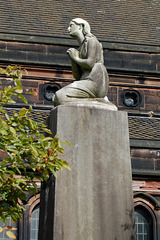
94,200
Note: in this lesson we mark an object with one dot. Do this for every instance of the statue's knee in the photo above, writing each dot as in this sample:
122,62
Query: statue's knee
55,100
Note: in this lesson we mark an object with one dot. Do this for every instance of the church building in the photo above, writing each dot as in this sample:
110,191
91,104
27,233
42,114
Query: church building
33,34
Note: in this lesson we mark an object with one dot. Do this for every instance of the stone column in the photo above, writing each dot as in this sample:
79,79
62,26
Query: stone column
46,218
94,200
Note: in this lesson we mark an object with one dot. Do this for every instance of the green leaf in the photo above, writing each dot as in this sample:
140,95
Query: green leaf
34,149
30,109
14,124
19,90
18,84
22,112
17,169
3,195
3,132
7,116
68,168
12,130
47,139
31,123
46,130
46,175
2,110
12,150
54,173
23,98
68,143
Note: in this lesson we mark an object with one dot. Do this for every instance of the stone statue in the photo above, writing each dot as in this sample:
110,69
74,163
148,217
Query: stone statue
87,67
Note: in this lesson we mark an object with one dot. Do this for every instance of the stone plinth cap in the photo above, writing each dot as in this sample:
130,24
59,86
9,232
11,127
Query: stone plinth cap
102,103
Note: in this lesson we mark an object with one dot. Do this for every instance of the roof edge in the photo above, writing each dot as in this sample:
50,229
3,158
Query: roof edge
56,40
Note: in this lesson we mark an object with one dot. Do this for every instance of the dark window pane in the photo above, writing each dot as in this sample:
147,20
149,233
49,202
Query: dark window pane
144,224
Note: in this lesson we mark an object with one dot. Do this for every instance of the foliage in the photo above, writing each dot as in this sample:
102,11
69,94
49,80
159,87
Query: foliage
9,231
30,153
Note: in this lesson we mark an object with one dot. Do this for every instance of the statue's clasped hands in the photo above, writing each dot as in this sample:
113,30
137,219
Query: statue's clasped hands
73,53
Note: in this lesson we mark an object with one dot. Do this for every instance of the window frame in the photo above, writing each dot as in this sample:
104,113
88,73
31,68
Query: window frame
148,207
25,223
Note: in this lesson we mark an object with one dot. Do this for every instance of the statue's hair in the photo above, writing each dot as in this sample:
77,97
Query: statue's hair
85,25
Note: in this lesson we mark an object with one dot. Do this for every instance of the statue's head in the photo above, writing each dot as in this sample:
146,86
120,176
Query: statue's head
83,24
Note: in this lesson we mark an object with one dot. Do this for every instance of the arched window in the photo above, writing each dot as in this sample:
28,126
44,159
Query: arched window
146,216
34,223
29,226
144,224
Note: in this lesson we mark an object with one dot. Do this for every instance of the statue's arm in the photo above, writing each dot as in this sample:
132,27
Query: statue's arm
76,71
88,62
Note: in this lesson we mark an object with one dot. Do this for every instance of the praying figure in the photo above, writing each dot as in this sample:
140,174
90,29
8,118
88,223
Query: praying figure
91,77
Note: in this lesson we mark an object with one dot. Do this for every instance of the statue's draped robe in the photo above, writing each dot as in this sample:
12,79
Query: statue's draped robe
93,82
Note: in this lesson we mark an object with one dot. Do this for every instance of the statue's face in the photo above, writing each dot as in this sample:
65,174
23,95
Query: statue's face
73,29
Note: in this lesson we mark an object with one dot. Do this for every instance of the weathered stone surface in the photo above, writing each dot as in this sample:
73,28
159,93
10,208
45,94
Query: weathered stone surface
97,103
94,200
46,218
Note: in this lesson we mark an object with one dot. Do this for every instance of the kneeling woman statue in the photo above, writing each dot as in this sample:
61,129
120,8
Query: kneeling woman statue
87,66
